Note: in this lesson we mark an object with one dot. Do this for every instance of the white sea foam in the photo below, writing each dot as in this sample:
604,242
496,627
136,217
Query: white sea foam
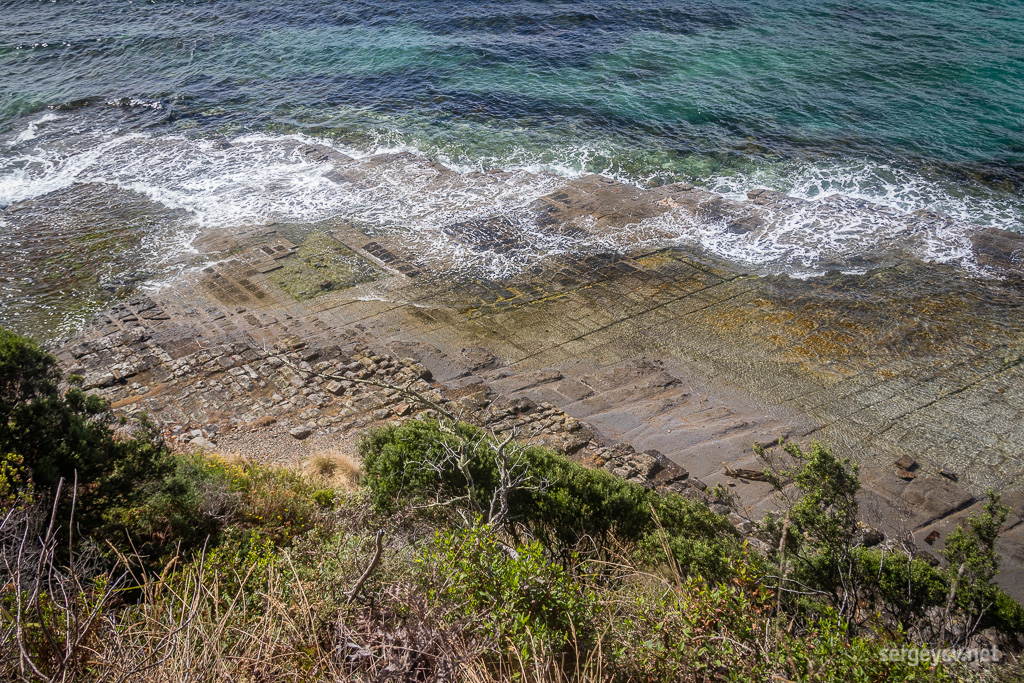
805,239
258,178
40,173
32,129
883,184
136,102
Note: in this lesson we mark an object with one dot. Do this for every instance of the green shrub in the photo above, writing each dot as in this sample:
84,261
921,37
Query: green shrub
824,561
397,463
325,497
68,436
525,603
27,373
248,556
560,503
729,632
900,586
16,486
204,496
973,564
822,521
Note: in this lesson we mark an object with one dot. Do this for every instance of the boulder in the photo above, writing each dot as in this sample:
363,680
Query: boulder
301,432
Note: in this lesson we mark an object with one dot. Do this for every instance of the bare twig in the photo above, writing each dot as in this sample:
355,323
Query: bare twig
782,574
369,570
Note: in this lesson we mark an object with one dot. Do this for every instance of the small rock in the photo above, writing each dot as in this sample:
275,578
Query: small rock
98,381
698,484
381,414
744,526
948,475
646,463
679,473
521,405
656,459
905,475
906,463
203,443
301,433
477,400
931,538
334,387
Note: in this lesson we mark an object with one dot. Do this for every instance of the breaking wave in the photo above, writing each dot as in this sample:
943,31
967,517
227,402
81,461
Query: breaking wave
858,211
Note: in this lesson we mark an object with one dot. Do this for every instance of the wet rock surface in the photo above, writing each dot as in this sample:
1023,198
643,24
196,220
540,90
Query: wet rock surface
662,366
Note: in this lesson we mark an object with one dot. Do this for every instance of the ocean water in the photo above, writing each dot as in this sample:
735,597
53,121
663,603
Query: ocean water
115,114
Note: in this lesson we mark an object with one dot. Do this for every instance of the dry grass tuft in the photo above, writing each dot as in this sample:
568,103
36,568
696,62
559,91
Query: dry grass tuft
261,422
334,467
234,458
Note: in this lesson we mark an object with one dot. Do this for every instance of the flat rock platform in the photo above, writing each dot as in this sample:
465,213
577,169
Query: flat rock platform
655,351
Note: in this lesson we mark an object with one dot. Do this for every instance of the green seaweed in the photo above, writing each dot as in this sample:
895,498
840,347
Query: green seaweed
322,264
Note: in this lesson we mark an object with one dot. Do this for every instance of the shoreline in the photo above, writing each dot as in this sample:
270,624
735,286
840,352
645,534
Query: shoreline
605,356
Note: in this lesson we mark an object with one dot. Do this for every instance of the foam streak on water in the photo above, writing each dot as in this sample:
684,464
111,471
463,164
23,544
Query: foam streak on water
807,239
255,179
883,184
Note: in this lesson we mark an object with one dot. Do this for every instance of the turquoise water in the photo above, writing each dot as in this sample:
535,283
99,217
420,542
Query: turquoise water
912,104
920,83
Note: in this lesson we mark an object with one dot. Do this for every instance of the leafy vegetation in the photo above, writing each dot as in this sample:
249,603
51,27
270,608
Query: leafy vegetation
562,504
461,556
821,562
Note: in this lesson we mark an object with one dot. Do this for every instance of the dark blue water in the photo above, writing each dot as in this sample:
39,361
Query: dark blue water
913,81
910,103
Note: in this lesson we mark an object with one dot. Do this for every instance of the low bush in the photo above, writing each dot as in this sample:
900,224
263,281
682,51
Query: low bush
819,561
53,436
515,598
202,496
559,502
